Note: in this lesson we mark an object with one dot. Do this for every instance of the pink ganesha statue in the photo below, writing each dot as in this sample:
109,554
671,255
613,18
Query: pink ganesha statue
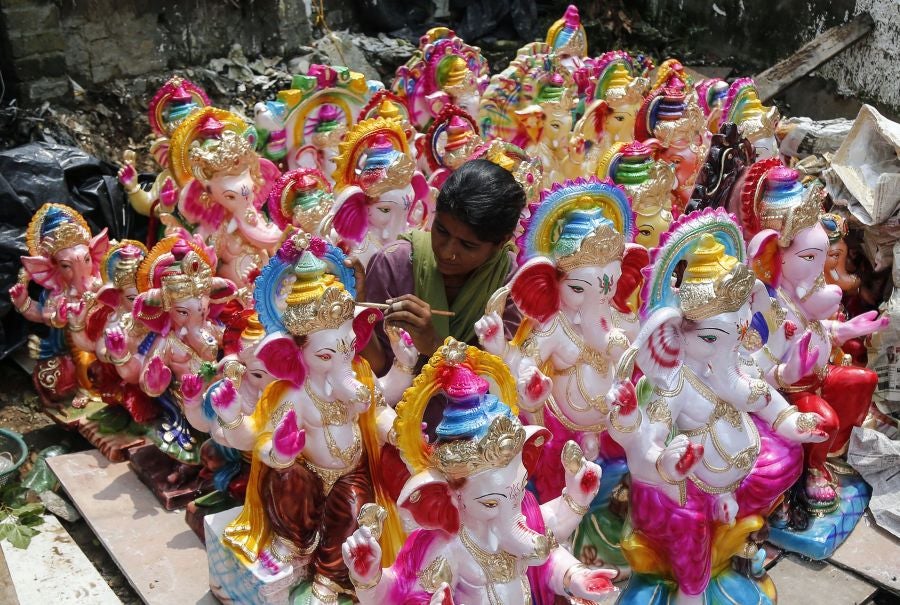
302,198
65,260
582,268
711,447
319,429
789,251
379,192
482,538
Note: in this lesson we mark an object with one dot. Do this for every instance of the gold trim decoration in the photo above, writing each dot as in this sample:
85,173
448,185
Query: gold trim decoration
603,246
73,231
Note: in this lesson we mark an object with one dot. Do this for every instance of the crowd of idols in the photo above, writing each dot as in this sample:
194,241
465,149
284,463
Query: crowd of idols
679,385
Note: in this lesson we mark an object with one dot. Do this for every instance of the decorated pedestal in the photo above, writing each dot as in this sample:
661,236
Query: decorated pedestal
826,532
172,482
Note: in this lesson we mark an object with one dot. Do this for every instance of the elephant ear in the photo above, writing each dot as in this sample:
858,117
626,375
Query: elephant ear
220,293
535,289
270,175
536,437
765,257
96,320
197,207
109,296
364,325
636,257
281,357
99,246
148,310
351,219
658,347
42,270
428,498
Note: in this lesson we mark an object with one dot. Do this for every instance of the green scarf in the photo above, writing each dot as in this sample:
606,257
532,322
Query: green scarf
472,298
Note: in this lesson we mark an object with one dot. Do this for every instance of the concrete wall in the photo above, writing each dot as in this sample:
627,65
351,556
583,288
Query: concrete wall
43,42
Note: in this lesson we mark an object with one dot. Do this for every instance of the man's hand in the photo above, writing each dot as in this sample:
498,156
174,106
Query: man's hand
413,315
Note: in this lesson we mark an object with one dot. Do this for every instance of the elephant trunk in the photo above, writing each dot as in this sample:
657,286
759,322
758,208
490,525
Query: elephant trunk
524,543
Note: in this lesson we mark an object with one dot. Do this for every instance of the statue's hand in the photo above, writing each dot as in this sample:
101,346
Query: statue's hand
191,389
582,476
157,376
225,401
402,345
801,361
861,325
168,195
18,294
590,444
288,439
362,556
127,176
679,458
489,330
586,583
803,427
533,387
116,344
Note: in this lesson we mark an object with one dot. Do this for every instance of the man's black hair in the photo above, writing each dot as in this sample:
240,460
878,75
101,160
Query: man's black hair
486,197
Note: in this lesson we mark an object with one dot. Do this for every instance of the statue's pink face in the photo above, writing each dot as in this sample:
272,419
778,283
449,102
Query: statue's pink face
189,314
803,267
234,192
716,336
128,295
256,375
75,267
387,217
687,165
589,290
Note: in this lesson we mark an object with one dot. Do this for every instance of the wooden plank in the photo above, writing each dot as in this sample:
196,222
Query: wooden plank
811,55
163,560
73,579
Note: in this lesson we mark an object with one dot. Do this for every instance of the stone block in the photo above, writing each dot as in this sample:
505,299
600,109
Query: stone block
800,582
40,66
30,18
44,89
48,41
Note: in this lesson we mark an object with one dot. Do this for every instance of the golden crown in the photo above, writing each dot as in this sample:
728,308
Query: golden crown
64,236
193,281
649,197
713,281
603,246
789,220
464,458
231,154
326,312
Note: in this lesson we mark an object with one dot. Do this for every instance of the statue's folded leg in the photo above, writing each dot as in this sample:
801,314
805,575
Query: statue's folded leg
777,468
816,453
295,502
342,506
682,534
849,391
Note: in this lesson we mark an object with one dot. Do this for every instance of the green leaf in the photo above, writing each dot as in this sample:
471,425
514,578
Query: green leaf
20,536
31,520
35,508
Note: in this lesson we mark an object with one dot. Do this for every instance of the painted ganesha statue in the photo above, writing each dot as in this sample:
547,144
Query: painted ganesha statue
711,447
319,430
789,251
482,537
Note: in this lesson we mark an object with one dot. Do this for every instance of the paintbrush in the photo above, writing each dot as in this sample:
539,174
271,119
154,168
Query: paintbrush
385,307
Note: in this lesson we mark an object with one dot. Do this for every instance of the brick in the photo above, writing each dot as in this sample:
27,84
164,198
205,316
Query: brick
28,19
40,66
40,43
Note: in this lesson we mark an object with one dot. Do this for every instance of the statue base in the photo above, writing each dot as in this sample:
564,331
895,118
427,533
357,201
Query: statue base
597,540
173,483
197,510
233,581
111,430
826,532
70,417
727,588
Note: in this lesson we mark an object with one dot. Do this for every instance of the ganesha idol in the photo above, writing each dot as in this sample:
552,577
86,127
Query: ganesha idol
579,271
789,250
304,125
482,538
173,102
443,71
65,260
319,430
567,38
224,199
755,121
711,446
302,198
450,141
379,192
178,292
647,182
610,117
674,119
